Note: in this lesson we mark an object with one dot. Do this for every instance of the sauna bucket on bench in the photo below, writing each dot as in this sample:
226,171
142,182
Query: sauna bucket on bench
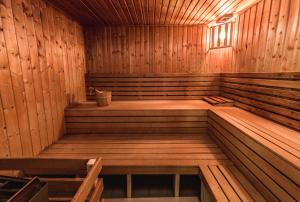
103,98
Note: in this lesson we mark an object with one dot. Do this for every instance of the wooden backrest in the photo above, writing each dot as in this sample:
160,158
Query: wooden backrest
266,152
275,96
154,86
151,121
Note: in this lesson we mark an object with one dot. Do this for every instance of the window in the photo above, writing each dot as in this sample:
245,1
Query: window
221,36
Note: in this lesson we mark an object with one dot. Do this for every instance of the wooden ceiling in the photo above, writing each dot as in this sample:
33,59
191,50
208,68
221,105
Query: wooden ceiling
146,12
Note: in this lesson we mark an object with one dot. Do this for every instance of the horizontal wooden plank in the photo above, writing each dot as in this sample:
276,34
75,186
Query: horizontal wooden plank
140,156
263,82
137,125
155,84
147,79
276,75
151,130
264,90
129,113
95,119
149,75
101,151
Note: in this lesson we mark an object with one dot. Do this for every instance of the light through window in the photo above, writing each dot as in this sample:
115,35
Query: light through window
221,35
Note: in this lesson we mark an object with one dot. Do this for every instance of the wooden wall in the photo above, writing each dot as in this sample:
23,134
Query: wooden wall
147,49
41,69
267,39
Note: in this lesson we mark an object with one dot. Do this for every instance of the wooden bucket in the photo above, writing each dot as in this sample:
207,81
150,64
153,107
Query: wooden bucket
103,98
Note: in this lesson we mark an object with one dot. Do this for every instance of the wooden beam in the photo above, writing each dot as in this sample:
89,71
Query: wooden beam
129,185
176,185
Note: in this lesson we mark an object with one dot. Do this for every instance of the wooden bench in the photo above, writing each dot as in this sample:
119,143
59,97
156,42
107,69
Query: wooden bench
154,86
275,96
62,188
267,153
226,183
218,101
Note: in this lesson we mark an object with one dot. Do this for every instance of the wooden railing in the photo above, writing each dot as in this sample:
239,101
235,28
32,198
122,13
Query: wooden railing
91,181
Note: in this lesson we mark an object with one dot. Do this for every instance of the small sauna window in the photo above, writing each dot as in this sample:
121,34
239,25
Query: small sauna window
221,36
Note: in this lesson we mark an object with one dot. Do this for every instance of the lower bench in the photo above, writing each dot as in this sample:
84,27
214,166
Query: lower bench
226,183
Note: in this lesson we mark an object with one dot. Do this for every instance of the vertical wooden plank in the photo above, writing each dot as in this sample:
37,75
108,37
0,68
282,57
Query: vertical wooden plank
137,57
4,149
129,185
127,53
169,64
132,49
296,56
38,55
271,38
165,49
263,34
44,35
180,54
156,50
142,50
146,49
21,37
175,49
151,48
184,62
289,42
10,139
256,35
176,185
251,29
243,67
280,33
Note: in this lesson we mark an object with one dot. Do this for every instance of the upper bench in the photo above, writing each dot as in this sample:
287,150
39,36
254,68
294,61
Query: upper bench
154,86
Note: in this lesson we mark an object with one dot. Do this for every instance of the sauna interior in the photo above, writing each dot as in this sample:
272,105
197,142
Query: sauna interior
150,100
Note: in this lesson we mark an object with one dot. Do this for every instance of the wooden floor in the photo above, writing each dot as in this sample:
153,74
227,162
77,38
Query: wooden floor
146,135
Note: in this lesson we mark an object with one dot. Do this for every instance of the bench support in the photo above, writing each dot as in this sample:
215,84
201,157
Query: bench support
205,196
129,185
176,185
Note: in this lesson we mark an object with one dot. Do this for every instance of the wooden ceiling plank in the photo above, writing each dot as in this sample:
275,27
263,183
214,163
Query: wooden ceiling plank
177,11
206,8
161,10
124,4
166,12
131,7
121,10
147,16
213,15
187,12
193,11
136,11
142,10
158,6
109,11
229,9
118,14
146,12
98,6
91,11
198,12
173,5
73,11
